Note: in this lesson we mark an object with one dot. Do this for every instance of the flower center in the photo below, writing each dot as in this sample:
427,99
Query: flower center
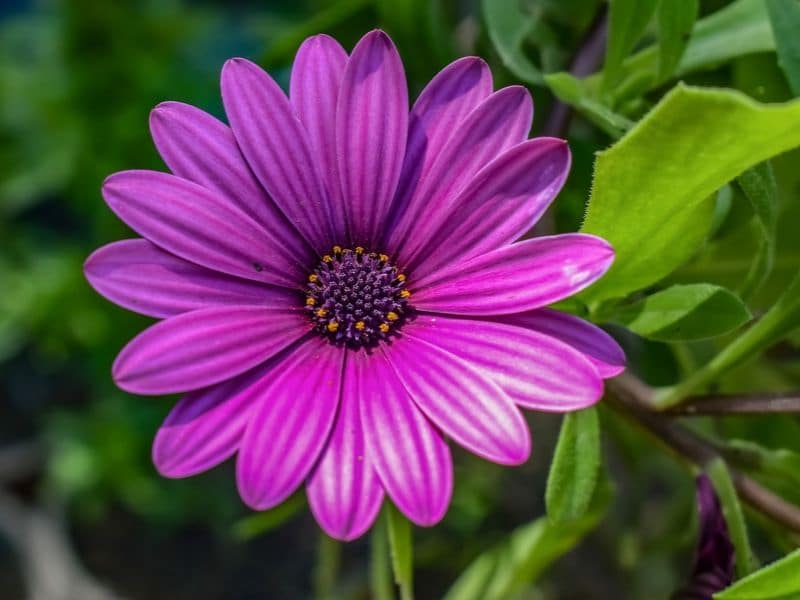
355,297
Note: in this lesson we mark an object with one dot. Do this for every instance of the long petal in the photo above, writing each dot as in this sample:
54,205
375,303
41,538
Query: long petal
463,402
274,143
520,277
437,114
314,92
344,491
290,425
203,347
498,123
594,343
206,427
201,226
412,459
500,204
371,132
536,371
143,278
202,149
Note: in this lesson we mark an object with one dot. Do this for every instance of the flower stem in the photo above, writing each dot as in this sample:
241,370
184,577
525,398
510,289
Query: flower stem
402,551
380,574
326,571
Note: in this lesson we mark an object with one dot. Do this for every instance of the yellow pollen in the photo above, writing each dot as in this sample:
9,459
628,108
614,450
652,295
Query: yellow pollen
333,326
337,249
360,325
313,278
392,316
383,257
405,294
327,258
310,301
321,312
384,327
401,278
359,250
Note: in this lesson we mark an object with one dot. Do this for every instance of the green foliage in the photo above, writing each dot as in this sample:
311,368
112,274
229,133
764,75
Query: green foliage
761,189
675,19
685,312
575,467
510,26
785,18
401,549
651,189
777,581
626,25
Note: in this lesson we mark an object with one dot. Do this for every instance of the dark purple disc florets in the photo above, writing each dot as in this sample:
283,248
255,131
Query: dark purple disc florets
355,297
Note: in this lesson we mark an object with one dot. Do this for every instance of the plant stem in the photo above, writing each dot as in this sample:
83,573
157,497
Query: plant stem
401,549
737,404
380,573
326,571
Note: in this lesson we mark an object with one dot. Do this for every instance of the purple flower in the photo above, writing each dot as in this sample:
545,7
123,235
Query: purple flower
714,560
340,287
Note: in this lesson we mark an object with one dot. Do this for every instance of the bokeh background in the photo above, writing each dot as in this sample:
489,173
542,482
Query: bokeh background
80,502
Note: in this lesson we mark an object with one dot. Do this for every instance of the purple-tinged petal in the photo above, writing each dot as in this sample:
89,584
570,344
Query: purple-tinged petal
500,122
203,347
201,226
535,370
202,149
275,144
314,92
143,278
206,427
595,344
290,425
499,205
461,400
344,491
438,112
371,132
412,459
520,277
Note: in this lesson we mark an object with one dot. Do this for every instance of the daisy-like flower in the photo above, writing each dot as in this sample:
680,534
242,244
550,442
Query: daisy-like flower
340,287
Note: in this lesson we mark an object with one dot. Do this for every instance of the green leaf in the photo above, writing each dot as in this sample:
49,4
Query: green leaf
785,18
652,187
675,19
571,90
401,546
519,560
509,27
759,187
575,467
746,562
781,464
685,312
777,581
626,24
260,523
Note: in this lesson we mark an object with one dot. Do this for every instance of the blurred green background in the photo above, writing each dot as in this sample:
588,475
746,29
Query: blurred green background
77,81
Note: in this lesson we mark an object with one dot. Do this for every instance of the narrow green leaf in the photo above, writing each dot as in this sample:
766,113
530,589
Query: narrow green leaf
575,467
785,18
777,581
499,573
380,567
571,90
759,187
781,464
509,27
260,523
675,19
685,312
652,187
401,547
626,24
746,562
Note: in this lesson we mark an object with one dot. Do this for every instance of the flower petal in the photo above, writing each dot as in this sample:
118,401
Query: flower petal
595,344
201,226
501,121
274,143
535,370
463,402
412,459
289,428
344,492
516,278
371,132
205,427
143,278
314,92
203,347
202,149
438,112
499,205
